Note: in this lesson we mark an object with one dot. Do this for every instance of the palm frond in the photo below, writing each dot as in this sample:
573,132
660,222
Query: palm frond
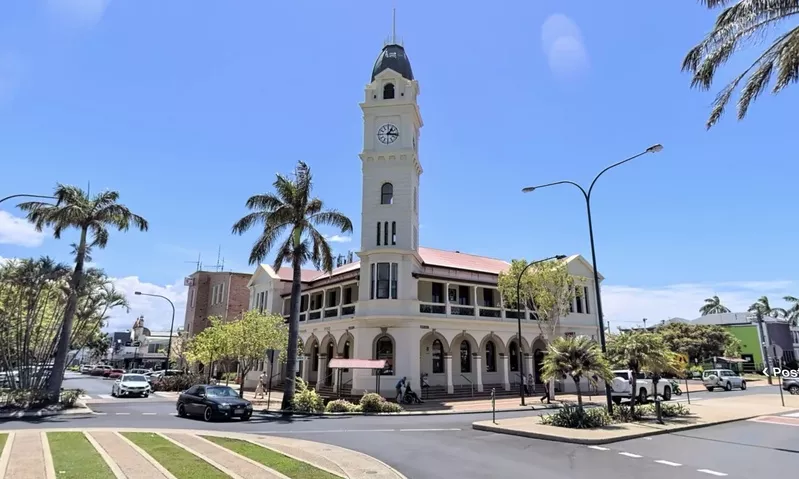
322,256
333,218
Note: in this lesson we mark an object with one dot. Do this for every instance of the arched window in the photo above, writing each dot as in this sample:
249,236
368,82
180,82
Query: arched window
491,357
384,349
387,194
466,357
438,357
315,357
513,353
388,91
346,355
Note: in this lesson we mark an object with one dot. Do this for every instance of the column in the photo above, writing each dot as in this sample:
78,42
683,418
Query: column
528,366
448,367
446,298
505,370
320,373
306,367
476,306
478,369
335,378
341,302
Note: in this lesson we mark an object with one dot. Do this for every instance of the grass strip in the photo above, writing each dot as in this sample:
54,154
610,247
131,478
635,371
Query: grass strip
3,439
283,464
74,457
180,462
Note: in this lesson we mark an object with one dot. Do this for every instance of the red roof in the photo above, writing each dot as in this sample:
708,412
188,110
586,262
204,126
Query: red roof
287,274
357,364
456,259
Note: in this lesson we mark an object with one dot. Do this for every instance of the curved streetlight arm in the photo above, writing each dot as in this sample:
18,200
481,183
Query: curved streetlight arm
614,165
26,196
530,189
171,327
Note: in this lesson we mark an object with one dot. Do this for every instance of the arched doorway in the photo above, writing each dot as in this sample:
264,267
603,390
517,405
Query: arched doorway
331,353
513,357
538,360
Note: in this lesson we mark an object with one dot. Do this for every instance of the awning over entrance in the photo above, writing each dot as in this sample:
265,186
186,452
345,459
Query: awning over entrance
357,364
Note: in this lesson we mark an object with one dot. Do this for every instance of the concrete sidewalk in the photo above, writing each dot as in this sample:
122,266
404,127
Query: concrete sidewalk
707,412
26,455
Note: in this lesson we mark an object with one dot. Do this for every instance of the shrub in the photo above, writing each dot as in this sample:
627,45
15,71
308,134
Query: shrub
23,398
372,402
624,413
340,405
70,396
306,399
180,382
390,407
674,410
576,418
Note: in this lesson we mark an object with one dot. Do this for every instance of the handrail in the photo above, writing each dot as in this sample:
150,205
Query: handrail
471,384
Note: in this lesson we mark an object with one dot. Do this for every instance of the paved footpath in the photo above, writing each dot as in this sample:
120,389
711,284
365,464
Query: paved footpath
26,455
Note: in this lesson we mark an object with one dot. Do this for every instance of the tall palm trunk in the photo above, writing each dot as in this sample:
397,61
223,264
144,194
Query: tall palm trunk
294,328
579,392
60,360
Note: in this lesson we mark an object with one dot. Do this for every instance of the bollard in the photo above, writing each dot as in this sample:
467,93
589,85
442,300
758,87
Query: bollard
687,392
493,406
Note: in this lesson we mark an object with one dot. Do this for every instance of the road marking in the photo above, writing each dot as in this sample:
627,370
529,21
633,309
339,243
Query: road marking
712,473
122,414
99,413
429,430
793,414
599,448
149,413
668,463
629,454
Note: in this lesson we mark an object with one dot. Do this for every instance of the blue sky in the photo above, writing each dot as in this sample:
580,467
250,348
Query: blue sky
189,107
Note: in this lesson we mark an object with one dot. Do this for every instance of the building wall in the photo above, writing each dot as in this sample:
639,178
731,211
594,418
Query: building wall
235,298
780,333
750,340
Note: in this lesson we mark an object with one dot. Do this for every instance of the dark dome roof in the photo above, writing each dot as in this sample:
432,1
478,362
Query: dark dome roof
393,56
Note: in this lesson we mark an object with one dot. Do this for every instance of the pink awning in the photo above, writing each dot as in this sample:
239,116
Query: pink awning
357,364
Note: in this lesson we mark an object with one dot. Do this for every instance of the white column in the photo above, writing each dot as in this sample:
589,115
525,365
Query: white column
335,380
306,367
446,298
448,367
476,306
506,371
528,366
478,368
320,373
341,302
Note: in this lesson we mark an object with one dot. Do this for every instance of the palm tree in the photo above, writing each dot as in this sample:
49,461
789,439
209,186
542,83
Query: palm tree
641,351
764,309
74,208
292,210
746,22
713,306
792,313
578,357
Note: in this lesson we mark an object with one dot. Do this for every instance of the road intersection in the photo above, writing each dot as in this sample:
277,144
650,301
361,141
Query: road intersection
434,446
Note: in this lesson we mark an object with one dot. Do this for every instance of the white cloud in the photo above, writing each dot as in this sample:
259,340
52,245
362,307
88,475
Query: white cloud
563,45
338,239
17,231
78,13
626,305
156,311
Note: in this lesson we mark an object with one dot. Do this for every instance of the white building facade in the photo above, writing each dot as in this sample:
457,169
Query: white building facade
425,311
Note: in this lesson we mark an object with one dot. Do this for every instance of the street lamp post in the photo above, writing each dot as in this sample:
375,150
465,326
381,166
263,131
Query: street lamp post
587,195
26,196
520,357
171,326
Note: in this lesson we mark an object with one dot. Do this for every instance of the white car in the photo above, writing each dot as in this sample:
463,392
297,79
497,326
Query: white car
621,387
131,385
722,378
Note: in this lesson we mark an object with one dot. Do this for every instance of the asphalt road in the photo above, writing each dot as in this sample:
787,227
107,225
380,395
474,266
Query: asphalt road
436,446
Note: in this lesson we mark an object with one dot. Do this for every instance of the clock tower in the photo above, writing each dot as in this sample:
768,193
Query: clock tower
391,170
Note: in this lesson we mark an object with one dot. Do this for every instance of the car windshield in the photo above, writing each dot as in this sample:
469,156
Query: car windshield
134,378
221,392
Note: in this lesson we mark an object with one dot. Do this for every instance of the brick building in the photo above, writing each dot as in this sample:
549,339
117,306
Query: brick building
223,294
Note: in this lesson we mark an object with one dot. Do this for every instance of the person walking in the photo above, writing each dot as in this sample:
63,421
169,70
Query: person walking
400,385
531,384
546,393
259,388
526,386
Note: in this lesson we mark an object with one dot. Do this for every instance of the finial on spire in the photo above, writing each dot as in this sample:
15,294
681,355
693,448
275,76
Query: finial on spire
394,25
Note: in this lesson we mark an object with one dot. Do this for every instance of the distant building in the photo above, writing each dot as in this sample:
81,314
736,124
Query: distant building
139,347
224,294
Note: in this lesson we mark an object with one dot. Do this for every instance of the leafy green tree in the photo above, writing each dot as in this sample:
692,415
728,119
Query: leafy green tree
698,341
764,308
638,351
212,344
93,216
252,335
293,212
792,313
578,357
742,23
713,306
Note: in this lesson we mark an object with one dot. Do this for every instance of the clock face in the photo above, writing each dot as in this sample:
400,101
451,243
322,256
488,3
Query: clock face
388,134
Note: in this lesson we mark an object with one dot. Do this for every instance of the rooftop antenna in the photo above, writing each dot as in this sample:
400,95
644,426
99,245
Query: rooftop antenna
394,25
220,262
198,263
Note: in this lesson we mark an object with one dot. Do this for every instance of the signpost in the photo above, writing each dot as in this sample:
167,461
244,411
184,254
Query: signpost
775,351
493,406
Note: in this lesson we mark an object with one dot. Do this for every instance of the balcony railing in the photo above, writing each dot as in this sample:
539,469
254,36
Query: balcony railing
490,312
432,308
461,310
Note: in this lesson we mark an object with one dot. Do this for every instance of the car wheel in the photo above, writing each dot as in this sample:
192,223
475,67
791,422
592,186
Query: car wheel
113,393
146,395
743,385
793,389
617,400
181,410
245,417
208,414
667,393
710,390
642,395
728,386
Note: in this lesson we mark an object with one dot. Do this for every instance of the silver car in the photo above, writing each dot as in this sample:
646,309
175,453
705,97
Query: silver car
726,379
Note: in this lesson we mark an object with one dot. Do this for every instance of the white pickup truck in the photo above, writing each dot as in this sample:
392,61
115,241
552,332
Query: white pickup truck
621,388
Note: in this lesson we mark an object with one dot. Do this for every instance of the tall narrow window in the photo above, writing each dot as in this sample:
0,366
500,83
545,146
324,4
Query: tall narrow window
393,232
383,280
384,349
488,298
491,357
438,357
373,279
513,356
438,292
587,303
378,234
466,357
579,301
394,276
388,91
387,194
385,233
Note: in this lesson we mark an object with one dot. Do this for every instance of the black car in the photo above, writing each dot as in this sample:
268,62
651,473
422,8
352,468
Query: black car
791,385
211,402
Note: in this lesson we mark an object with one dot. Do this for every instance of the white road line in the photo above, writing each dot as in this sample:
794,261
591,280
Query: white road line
712,473
793,414
599,448
122,414
629,454
99,413
149,413
326,431
429,430
668,463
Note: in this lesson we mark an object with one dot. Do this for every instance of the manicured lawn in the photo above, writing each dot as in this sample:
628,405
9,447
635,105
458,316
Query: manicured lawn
181,463
269,458
3,438
74,457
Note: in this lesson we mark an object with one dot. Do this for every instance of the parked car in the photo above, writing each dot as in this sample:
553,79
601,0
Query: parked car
87,368
131,385
211,402
722,378
621,387
140,371
100,369
116,373
791,385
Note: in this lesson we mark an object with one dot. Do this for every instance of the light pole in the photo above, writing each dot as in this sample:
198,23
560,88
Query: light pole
171,326
519,320
587,195
26,196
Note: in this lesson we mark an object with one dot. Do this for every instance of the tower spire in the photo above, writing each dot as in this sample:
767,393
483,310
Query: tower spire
394,25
